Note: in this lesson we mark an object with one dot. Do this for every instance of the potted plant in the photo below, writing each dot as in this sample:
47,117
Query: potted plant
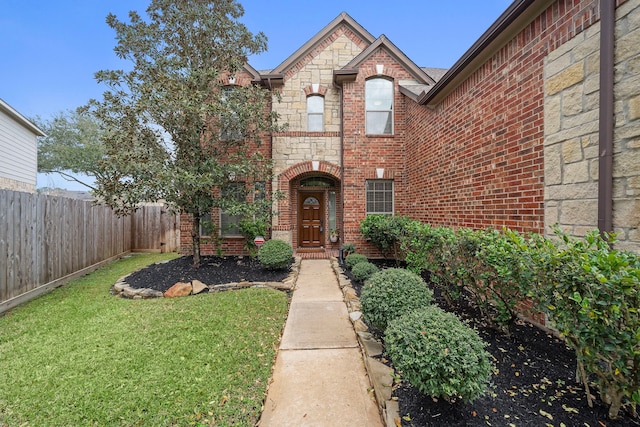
334,235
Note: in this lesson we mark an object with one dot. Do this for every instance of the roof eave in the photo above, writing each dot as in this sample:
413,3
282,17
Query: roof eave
344,76
519,14
13,113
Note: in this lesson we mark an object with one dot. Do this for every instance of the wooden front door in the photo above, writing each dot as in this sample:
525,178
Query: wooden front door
310,224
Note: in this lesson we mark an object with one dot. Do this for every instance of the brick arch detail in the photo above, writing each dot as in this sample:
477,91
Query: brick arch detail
369,71
305,167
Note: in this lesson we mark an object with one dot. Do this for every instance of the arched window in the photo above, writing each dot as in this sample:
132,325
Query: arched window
315,113
379,105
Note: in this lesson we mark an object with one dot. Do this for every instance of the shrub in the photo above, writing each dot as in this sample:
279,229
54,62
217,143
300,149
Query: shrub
352,259
275,255
389,293
363,270
592,294
385,231
439,354
349,248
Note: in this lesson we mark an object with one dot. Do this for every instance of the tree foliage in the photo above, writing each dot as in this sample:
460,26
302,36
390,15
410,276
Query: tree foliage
73,146
173,130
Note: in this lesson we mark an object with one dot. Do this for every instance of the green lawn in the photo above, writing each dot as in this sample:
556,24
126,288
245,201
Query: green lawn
81,357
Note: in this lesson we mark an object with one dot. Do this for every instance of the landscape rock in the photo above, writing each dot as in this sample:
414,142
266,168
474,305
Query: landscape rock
198,287
180,289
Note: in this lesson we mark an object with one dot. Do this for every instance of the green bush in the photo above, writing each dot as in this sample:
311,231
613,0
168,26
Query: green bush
592,294
439,354
363,270
275,255
389,293
385,231
352,259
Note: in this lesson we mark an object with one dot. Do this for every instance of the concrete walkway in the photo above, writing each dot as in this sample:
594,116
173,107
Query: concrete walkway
319,377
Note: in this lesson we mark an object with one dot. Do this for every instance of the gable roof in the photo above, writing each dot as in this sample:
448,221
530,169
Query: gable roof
19,118
349,71
342,19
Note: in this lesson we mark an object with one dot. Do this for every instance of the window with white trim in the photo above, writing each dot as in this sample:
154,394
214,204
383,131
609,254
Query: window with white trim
315,113
229,222
379,106
379,196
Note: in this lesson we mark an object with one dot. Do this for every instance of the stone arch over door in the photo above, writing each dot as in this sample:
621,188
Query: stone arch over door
329,193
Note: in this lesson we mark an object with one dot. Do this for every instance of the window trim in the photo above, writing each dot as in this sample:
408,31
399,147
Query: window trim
314,114
389,111
373,191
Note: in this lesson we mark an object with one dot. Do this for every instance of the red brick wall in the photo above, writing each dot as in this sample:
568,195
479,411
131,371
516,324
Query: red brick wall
364,154
476,160
230,245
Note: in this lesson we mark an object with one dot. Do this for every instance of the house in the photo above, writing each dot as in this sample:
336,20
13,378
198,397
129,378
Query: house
537,124
18,150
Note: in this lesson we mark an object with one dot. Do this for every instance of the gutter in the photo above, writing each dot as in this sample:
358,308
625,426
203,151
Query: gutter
605,130
519,14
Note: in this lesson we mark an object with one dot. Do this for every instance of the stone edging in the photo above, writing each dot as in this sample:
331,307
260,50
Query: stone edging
123,290
380,375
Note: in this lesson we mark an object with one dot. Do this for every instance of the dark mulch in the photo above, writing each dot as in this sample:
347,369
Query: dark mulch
534,384
213,270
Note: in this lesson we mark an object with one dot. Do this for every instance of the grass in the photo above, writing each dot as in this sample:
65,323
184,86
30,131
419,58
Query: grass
79,356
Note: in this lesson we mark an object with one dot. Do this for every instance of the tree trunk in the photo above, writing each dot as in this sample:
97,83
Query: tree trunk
195,240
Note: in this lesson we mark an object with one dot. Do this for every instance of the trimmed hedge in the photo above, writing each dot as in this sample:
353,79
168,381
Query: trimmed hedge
275,255
352,259
590,292
363,270
439,354
389,293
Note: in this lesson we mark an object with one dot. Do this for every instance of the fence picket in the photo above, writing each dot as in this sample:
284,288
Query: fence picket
45,238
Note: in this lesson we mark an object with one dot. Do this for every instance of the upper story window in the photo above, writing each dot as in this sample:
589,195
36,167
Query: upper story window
230,126
315,113
379,105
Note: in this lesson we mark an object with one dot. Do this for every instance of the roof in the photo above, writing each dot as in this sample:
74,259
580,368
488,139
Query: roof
342,19
19,118
519,14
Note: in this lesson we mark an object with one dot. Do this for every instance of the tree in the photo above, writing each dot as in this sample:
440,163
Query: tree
72,146
173,130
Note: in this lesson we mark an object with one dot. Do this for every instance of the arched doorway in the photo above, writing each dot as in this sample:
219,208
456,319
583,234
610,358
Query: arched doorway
317,210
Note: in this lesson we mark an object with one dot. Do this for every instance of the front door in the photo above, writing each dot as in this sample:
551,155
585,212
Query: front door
310,225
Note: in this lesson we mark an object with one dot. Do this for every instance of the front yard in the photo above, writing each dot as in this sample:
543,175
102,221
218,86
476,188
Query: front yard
79,356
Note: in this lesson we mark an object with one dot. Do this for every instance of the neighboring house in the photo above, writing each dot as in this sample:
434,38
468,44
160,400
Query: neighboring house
510,136
18,150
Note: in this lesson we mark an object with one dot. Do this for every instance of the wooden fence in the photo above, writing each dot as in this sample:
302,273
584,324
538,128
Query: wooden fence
47,240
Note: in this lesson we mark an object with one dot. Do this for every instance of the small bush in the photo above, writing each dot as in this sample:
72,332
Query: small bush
389,293
363,270
352,259
275,255
439,354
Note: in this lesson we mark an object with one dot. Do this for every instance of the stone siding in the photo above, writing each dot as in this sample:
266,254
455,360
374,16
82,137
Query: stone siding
12,184
571,138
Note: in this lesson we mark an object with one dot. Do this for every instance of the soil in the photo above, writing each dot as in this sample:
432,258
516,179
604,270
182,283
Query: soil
213,270
533,384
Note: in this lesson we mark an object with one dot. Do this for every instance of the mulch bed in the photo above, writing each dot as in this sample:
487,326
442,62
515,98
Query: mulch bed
213,270
533,384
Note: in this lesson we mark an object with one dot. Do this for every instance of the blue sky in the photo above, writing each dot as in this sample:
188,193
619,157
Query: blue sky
49,50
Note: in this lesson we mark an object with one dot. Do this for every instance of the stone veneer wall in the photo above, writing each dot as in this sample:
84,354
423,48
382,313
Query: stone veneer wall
12,184
296,145
571,131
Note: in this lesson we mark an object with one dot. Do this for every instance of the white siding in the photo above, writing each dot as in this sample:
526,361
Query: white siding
18,152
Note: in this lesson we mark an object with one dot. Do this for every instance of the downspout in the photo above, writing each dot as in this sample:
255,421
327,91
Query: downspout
605,131
340,88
